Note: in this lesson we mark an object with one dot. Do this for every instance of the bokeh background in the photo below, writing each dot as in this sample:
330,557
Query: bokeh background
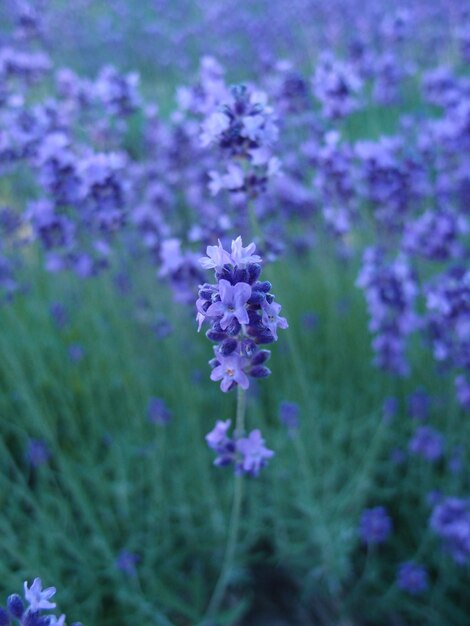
107,488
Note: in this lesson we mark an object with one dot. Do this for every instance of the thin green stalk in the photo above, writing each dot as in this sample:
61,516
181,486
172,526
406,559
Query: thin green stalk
234,524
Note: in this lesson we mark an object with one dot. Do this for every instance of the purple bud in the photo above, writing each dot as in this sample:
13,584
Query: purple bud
233,328
15,605
216,335
261,357
248,347
259,371
228,346
264,286
240,275
257,297
254,271
4,619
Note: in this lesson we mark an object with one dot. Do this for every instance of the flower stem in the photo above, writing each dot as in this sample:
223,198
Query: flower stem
234,524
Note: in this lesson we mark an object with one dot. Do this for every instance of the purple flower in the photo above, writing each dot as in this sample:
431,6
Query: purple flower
158,412
218,436
38,597
272,319
289,414
450,519
76,353
216,258
375,525
253,452
37,452
243,256
232,304
390,407
428,443
126,562
412,578
462,386
230,371
418,404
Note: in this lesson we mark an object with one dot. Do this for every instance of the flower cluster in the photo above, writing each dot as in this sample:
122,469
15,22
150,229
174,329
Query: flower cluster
242,314
375,525
336,85
248,454
448,304
33,614
391,292
412,578
244,129
450,519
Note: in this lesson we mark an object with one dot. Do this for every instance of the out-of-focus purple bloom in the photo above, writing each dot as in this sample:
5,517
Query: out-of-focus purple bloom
37,452
456,459
375,525
462,386
397,456
218,436
127,561
391,292
309,320
336,85
418,404
59,314
219,441
289,413
254,454
450,519
390,408
412,578
428,443
76,353
158,412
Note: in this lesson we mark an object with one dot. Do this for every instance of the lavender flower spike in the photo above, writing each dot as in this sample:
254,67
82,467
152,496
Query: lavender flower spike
242,314
38,597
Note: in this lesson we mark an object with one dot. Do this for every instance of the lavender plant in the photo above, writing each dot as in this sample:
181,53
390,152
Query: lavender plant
243,315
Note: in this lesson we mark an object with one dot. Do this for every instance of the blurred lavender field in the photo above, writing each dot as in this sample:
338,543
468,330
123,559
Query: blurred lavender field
137,137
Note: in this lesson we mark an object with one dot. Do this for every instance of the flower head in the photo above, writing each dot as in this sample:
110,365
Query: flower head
38,597
254,453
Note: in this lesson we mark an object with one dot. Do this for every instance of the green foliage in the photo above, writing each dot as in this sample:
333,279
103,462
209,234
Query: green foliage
117,481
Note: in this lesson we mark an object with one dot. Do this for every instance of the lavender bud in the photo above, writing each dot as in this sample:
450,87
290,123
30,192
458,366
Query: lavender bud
228,346
216,335
264,286
233,328
257,297
240,275
261,357
254,271
4,619
259,371
15,605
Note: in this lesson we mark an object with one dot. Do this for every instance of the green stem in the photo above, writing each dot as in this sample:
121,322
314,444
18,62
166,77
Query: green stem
234,524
